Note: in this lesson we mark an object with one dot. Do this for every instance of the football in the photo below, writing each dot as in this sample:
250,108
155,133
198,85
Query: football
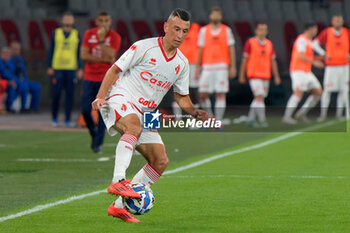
140,205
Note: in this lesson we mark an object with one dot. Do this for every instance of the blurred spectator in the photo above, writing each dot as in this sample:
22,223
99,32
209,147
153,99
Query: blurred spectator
64,65
17,67
15,86
3,88
99,50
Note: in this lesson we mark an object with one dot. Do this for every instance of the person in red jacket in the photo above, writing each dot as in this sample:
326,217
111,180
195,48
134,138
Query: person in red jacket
336,41
259,59
99,50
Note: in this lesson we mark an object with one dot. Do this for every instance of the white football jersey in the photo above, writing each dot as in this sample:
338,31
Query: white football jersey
148,74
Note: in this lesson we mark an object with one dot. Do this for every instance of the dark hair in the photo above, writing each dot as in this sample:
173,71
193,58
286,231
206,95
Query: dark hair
215,8
309,25
259,23
103,13
68,13
181,13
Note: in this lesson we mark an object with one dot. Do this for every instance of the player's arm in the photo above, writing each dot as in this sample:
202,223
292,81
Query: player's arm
186,104
110,78
198,63
232,56
316,63
86,56
108,53
242,69
275,73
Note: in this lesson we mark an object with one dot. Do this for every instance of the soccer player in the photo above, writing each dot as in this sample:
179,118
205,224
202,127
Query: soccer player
336,76
64,66
137,82
216,57
99,50
303,80
189,48
259,58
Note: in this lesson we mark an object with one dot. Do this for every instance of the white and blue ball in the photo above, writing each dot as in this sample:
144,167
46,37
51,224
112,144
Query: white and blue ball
140,205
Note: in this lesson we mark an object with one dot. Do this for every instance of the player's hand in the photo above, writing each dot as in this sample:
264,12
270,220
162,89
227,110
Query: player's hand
50,71
97,104
348,57
329,58
318,64
242,79
232,72
277,80
80,73
200,115
101,33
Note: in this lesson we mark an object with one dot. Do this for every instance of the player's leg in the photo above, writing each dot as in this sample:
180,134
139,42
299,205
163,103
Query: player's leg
327,90
194,84
316,92
298,86
35,90
343,93
257,106
86,100
23,92
205,88
69,79
57,83
221,87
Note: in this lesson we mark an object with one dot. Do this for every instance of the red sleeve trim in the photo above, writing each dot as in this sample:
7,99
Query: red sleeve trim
118,67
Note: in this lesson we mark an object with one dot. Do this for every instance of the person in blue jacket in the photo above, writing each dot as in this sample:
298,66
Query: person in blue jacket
17,67
15,86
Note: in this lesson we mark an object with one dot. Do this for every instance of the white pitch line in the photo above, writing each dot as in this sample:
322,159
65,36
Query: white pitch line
263,177
176,170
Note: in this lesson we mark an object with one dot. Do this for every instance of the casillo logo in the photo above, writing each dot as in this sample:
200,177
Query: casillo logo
147,103
159,83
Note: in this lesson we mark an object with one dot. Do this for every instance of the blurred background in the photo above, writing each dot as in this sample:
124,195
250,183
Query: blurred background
32,22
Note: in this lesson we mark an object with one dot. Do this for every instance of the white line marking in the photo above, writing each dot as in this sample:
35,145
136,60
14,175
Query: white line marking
176,170
263,177
55,160
2,145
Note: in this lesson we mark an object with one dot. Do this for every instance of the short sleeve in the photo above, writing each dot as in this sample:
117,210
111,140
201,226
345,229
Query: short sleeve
201,37
130,58
322,37
181,85
301,45
116,41
246,49
230,38
85,39
273,53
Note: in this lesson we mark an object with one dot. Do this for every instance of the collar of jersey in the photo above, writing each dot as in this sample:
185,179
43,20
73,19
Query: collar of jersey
163,52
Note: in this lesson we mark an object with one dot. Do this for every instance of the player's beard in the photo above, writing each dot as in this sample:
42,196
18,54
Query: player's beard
215,22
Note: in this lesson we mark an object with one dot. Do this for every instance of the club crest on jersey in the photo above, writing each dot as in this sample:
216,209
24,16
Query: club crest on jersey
133,48
177,69
123,108
152,61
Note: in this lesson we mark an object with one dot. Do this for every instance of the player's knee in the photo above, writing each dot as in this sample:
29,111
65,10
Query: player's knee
160,164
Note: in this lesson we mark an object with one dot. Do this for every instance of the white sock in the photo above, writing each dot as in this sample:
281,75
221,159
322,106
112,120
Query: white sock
206,105
326,97
260,111
310,102
123,154
340,104
292,104
147,175
220,107
252,111
118,203
176,110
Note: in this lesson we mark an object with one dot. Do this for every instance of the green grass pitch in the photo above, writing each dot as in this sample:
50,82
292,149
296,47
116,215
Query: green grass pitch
300,184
